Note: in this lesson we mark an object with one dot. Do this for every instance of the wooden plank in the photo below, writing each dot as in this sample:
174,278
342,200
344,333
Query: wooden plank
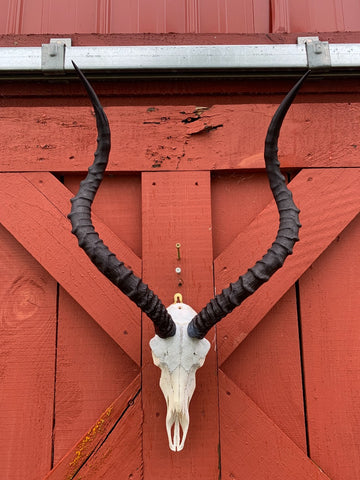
180,137
91,371
34,211
112,444
176,208
185,91
252,446
329,199
60,195
237,198
267,367
27,362
330,306
118,205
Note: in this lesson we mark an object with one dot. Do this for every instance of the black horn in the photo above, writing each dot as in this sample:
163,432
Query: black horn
91,243
231,297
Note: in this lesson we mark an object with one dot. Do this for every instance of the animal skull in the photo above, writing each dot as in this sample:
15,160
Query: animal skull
178,357
179,347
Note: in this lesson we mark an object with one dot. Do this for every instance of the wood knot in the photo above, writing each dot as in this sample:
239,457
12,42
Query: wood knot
24,298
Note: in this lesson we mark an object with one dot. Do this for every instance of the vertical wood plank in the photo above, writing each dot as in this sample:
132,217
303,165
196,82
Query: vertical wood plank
237,198
314,191
330,306
92,369
27,362
118,205
176,208
38,222
253,447
111,448
119,456
266,365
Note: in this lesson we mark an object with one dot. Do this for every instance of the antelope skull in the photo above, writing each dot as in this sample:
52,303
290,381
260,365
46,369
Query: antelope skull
179,347
178,357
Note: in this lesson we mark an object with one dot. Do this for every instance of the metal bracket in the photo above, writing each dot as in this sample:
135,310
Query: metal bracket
317,52
53,55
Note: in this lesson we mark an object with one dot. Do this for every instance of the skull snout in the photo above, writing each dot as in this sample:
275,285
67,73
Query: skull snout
177,424
178,388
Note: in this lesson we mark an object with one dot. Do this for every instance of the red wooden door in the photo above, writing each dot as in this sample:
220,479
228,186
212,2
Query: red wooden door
278,395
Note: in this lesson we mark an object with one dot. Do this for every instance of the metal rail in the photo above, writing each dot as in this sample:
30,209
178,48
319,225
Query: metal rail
181,60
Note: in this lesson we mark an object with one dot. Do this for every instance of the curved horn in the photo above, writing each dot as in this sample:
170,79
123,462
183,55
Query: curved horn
89,240
287,235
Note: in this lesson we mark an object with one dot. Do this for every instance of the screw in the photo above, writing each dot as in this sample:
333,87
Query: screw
178,245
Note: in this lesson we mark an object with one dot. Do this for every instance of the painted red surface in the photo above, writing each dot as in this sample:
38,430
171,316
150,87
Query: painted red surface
165,142
278,396
181,16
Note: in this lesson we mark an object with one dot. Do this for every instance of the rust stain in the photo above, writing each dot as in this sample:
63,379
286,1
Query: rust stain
82,448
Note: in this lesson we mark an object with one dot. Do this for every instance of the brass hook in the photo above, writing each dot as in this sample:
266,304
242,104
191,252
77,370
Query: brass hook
178,298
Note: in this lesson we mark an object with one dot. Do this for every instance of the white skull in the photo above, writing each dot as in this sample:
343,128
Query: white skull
178,357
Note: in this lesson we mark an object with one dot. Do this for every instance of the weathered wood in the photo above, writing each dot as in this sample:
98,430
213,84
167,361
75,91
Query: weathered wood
179,138
330,306
236,200
91,371
112,445
266,365
252,446
27,362
34,209
59,195
328,199
176,208
118,205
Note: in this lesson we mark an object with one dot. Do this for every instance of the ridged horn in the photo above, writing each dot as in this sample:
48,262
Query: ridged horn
231,297
89,239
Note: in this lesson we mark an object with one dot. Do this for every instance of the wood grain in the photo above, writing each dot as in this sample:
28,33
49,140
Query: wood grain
176,208
91,369
118,205
91,372
330,306
237,197
112,444
180,137
266,365
39,204
252,446
27,362
328,199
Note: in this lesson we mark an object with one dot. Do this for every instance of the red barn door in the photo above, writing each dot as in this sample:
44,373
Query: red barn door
278,396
